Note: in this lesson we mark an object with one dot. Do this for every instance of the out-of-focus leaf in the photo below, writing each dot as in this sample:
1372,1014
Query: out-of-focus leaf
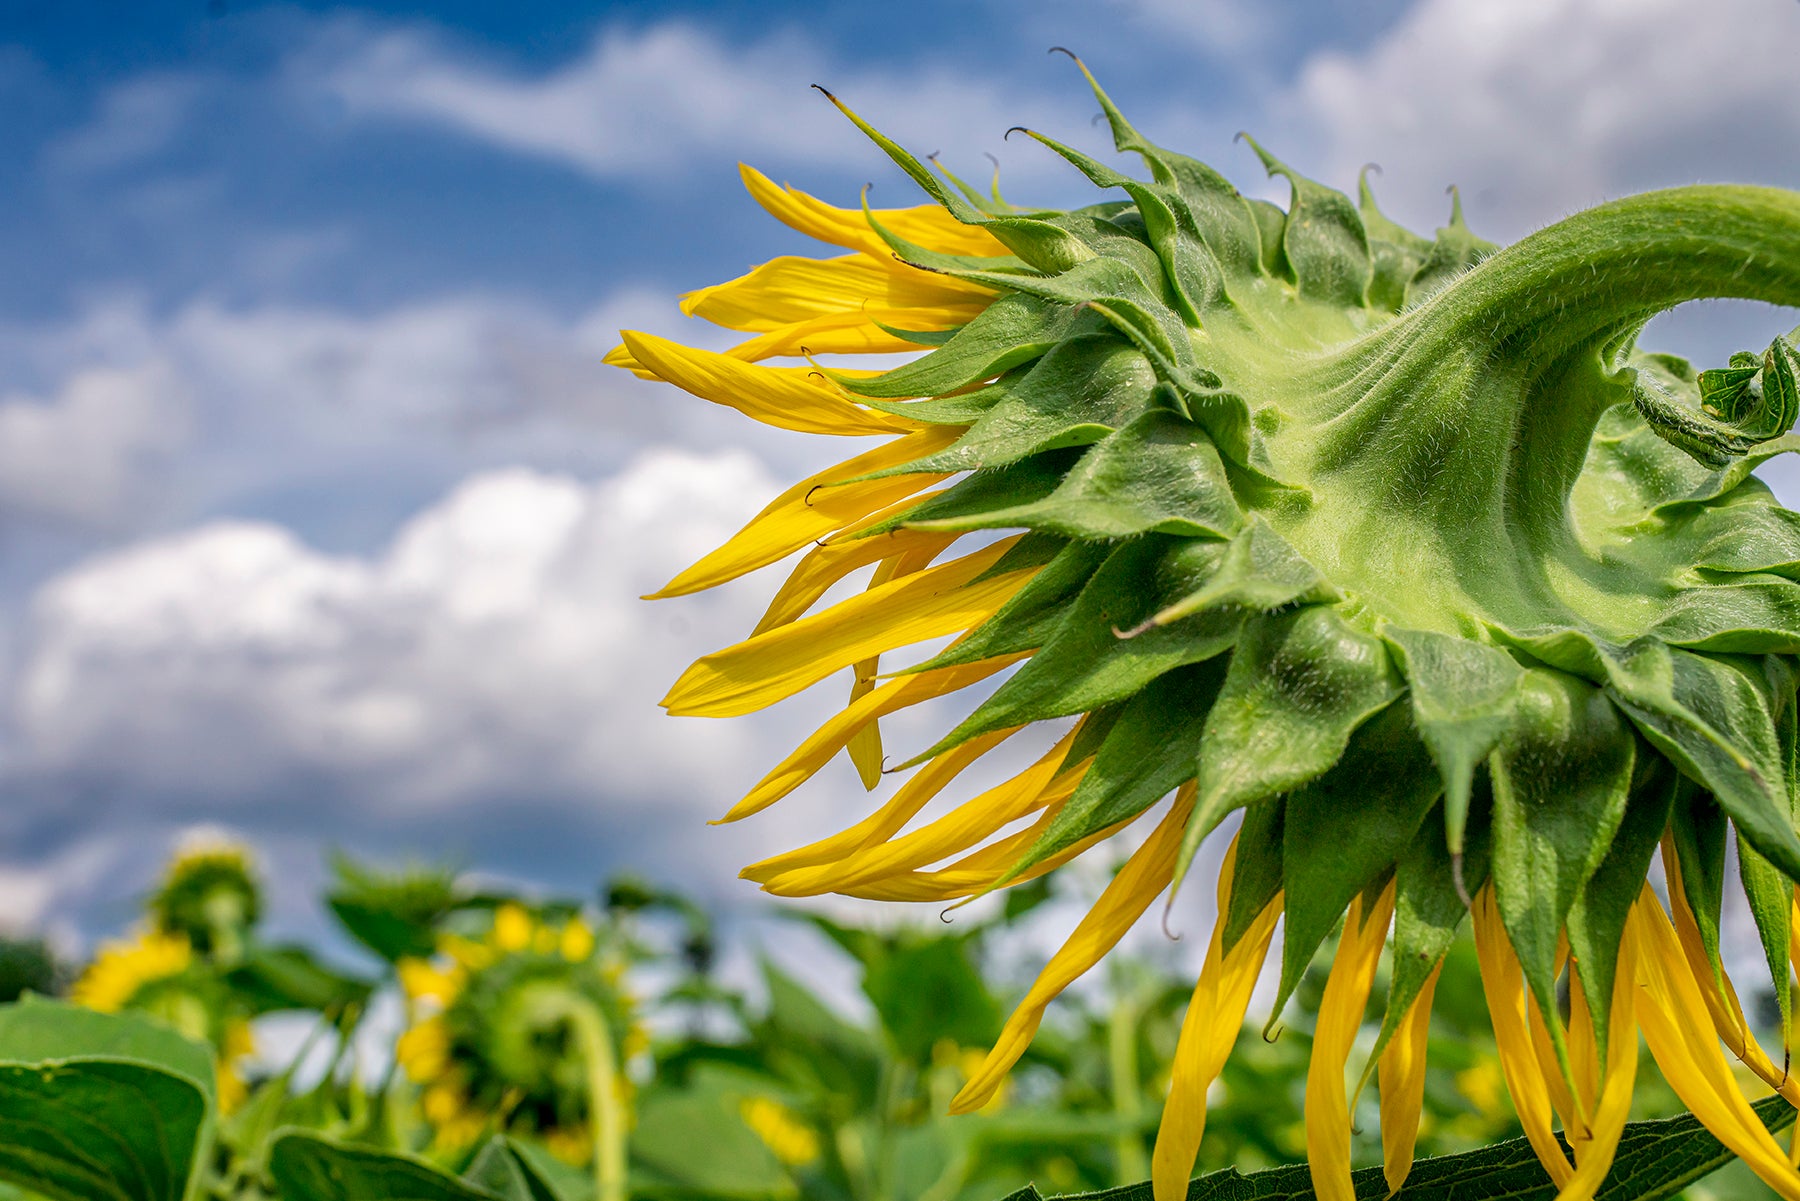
100,1107
311,1167
291,977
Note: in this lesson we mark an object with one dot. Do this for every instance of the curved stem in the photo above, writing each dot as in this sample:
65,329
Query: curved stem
1620,263
606,1113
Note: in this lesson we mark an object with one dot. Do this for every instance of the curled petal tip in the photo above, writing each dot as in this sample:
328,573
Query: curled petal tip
1016,129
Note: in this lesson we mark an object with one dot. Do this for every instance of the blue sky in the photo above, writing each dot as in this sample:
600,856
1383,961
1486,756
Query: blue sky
320,520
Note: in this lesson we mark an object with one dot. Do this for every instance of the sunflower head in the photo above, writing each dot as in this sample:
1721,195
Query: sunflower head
210,896
1395,546
499,1038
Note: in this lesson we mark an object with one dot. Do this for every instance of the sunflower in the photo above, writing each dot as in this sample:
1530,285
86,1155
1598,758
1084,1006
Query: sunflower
159,974
522,1028
1396,546
210,896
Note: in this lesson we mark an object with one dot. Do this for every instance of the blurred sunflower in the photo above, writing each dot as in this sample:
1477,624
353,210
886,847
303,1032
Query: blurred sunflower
158,974
522,1029
209,896
1396,544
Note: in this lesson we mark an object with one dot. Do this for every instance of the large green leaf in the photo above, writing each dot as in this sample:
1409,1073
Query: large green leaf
310,1167
100,1107
1656,1160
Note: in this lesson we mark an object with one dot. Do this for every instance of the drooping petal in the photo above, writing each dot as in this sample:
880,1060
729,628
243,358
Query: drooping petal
1723,1008
1503,983
1043,783
886,821
928,224
1686,1048
946,599
1340,1017
790,288
1402,1081
1215,1014
1608,1099
1144,876
789,398
824,566
814,508
854,333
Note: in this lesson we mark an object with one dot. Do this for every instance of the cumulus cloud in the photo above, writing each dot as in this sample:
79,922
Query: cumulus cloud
133,419
88,454
1540,107
646,103
495,649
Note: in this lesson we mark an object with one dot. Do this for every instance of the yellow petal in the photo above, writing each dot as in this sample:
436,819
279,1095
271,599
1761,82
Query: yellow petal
1215,1014
1503,983
815,507
789,398
854,333
1340,1017
823,566
864,747
831,737
1669,1009
789,289
982,870
1144,875
1596,1142
1401,1075
946,599
927,225
1722,1005
1043,783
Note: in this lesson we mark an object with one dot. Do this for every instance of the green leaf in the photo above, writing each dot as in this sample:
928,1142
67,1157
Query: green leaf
1710,719
291,977
927,989
1597,920
1560,785
1428,909
1075,395
1697,828
1031,616
1159,473
522,1171
1771,898
1345,829
1256,867
1455,251
1014,329
695,1141
1260,570
1006,487
1655,1161
1087,663
1300,682
1148,753
307,1166
1395,252
100,1107
1463,694
1323,238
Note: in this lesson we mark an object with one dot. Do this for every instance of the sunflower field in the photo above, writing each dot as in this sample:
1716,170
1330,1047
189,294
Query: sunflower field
1387,566
486,1045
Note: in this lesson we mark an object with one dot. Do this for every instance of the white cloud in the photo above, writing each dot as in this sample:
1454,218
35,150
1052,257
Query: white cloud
138,420
495,649
650,102
1540,107
87,454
